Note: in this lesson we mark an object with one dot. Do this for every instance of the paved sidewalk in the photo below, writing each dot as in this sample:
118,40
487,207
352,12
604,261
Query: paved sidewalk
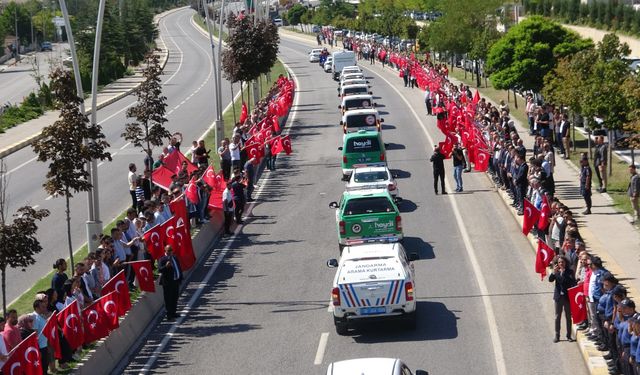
607,232
23,135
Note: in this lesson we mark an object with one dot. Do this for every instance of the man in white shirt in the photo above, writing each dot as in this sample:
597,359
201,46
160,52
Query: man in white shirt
228,208
4,353
132,178
234,149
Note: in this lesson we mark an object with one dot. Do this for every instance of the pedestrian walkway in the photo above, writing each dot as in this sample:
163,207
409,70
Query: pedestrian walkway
607,232
23,135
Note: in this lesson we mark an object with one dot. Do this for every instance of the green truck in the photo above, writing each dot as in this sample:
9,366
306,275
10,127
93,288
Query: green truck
365,216
362,148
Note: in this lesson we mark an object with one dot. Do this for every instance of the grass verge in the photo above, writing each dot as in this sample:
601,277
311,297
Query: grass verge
617,182
216,34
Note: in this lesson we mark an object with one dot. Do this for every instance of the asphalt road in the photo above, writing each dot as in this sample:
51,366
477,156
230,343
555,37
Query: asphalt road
263,307
188,86
17,81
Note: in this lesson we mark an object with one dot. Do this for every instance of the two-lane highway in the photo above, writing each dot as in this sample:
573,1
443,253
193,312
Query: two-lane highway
188,86
261,303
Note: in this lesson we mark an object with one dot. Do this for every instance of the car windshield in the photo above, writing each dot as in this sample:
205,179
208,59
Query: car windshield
357,103
355,90
368,205
370,176
363,144
360,121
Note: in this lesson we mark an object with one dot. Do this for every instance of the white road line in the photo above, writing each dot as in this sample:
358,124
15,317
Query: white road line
125,145
167,337
471,252
100,164
114,154
331,307
49,198
322,346
35,207
21,165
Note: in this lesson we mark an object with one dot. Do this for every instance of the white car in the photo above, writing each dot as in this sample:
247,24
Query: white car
314,56
361,89
350,69
372,366
361,119
355,81
366,177
327,64
373,281
356,102
350,76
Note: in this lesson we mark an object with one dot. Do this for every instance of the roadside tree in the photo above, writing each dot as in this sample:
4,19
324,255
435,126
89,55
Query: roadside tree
18,242
68,145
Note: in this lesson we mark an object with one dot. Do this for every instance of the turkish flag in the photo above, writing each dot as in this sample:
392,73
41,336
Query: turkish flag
544,256
182,245
545,213
50,331
71,323
144,274
244,113
276,145
209,176
95,326
530,218
118,284
179,208
481,160
168,228
154,239
109,305
578,303
286,144
254,150
25,358
275,123
174,161
162,176
192,192
215,199
476,97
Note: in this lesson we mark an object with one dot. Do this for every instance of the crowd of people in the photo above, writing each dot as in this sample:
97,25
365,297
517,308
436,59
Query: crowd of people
480,133
194,185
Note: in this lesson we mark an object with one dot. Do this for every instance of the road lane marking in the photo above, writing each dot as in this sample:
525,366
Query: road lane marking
125,145
21,165
471,252
322,346
49,198
206,282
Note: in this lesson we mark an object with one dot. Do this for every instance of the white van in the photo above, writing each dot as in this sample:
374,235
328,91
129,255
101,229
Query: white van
373,281
361,119
340,60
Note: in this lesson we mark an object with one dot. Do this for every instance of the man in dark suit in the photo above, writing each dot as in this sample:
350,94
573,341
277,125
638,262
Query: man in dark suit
170,279
563,136
438,169
564,279
521,182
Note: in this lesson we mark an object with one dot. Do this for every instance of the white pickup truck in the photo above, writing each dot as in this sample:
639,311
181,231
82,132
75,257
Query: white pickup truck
373,281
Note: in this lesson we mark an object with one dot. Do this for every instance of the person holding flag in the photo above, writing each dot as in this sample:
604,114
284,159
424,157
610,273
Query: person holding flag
564,280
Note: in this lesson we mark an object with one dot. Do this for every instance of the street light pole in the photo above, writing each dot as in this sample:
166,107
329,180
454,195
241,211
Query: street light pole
17,42
93,228
96,224
215,71
220,121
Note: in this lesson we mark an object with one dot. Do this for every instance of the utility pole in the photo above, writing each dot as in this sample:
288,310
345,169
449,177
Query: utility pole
220,121
215,72
17,42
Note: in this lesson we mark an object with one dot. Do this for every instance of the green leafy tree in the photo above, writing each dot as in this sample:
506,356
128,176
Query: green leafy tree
528,51
252,49
18,241
294,14
150,112
68,145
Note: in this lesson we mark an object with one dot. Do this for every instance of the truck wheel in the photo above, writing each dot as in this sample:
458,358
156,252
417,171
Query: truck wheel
341,326
411,321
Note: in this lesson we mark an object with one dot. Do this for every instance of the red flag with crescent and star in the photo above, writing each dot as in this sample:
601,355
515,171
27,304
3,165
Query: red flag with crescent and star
118,284
577,303
109,305
530,218
70,321
182,245
50,331
255,150
25,358
545,213
286,144
144,274
178,207
154,239
244,113
192,192
544,256
162,176
276,145
95,326
209,176
481,159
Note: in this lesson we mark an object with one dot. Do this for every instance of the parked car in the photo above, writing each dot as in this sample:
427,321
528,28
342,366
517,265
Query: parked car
46,46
